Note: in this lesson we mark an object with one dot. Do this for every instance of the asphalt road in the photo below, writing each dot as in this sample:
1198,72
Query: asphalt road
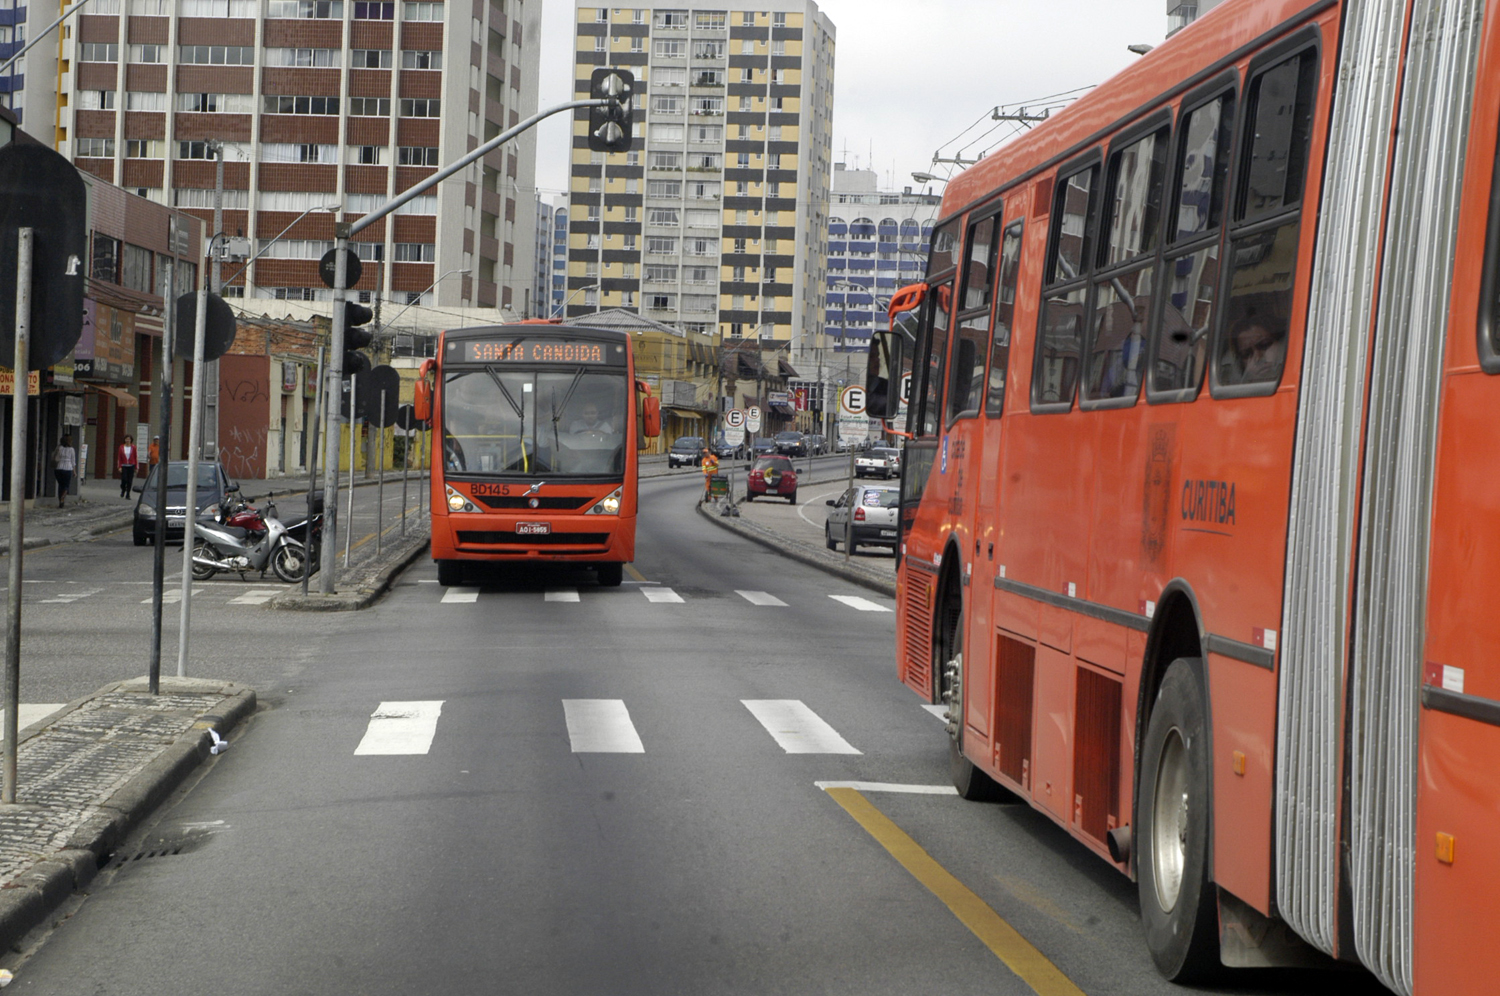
540,786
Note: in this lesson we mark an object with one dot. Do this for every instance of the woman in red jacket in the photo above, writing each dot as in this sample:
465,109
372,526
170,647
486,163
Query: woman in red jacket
127,457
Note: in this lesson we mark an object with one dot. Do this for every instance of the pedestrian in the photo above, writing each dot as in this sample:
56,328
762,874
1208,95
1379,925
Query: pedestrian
154,453
64,463
127,458
710,468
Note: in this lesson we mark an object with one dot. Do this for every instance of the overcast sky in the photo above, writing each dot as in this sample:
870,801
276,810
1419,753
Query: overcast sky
912,76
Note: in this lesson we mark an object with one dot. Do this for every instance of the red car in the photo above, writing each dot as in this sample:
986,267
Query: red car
772,475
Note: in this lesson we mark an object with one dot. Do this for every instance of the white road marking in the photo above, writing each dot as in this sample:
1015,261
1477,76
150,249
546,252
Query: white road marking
173,595
937,710
562,595
28,713
461,595
401,728
601,726
426,580
257,596
862,604
814,502
65,598
759,598
661,595
890,787
797,728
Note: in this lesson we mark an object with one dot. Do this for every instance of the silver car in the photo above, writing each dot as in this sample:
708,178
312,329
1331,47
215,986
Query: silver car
879,461
874,508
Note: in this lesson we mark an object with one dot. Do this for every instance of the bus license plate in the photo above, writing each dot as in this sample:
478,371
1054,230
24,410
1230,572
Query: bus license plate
533,528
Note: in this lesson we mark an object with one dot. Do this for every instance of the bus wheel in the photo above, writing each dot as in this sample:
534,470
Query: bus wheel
450,573
610,575
1178,909
972,784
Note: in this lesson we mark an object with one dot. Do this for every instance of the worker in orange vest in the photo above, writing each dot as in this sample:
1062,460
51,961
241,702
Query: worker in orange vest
710,468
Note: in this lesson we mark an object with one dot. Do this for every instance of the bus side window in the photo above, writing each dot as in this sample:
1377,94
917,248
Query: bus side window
1262,257
1489,287
929,361
1059,345
966,380
1005,306
1190,269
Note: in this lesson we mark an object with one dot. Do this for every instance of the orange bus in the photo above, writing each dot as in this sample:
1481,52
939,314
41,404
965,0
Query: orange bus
540,426
1197,489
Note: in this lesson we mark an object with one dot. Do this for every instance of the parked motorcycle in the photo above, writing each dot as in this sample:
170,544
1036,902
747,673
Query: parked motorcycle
220,547
308,530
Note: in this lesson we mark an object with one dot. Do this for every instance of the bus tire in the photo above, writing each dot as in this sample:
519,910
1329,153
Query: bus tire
610,575
1178,908
450,573
972,783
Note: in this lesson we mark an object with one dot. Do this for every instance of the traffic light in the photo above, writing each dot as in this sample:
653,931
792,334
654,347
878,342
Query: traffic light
356,338
609,124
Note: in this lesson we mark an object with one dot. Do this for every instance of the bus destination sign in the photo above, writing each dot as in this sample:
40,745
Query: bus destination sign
548,350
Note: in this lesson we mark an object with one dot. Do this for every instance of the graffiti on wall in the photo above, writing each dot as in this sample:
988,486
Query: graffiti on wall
244,414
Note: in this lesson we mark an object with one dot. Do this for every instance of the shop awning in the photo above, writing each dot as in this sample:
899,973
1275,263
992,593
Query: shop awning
122,397
783,409
685,413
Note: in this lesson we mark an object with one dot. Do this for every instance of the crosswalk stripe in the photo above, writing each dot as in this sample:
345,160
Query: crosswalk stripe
601,726
69,597
862,604
940,711
172,596
797,728
661,595
28,713
759,598
461,595
256,597
562,595
401,728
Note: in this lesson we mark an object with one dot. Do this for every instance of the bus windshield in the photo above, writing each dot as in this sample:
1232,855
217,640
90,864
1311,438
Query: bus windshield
507,422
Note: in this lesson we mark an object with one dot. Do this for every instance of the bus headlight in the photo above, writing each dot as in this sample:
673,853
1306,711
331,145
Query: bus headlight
608,505
457,502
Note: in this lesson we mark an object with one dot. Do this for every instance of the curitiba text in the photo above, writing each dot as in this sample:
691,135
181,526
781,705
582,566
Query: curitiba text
1208,501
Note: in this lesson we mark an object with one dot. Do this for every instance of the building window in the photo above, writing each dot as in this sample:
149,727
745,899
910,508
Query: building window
414,252
708,50
368,155
144,100
423,59
271,104
135,268
373,10
96,100
370,107
420,107
318,9
708,77
371,58
322,58
422,12
665,160
286,152
143,148
417,155
675,19
668,48
216,103
231,55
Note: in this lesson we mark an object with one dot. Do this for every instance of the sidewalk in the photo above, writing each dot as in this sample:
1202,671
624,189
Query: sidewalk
90,774
98,508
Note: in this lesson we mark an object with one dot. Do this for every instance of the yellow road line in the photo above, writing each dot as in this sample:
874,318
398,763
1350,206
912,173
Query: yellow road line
1033,968
635,575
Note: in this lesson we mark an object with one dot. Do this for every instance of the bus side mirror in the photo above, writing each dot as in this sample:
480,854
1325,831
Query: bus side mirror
883,375
421,407
651,417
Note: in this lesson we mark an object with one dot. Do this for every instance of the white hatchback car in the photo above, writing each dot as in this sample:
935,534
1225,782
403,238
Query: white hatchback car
874,509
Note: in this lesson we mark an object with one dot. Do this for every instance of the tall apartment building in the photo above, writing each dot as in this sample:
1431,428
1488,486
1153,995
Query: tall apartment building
558,257
714,222
877,243
541,278
319,105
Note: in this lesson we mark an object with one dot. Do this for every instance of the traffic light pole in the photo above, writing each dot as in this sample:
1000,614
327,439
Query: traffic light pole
343,231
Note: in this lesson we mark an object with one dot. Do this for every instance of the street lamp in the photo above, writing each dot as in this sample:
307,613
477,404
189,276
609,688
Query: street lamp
928,178
330,208
558,310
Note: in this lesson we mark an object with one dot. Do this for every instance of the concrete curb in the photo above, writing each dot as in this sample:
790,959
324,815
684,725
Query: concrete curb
360,596
804,552
31,897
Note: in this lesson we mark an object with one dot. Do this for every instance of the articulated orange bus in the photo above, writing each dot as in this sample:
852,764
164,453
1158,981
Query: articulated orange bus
1200,503
540,426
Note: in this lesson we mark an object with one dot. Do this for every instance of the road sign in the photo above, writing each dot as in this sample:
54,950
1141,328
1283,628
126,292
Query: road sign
735,419
853,429
906,390
852,400
42,190
330,260
734,436
752,418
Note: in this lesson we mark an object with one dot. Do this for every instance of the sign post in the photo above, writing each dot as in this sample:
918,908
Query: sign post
854,427
19,403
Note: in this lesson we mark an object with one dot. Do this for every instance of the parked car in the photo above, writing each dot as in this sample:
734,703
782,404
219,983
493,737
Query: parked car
687,451
816,444
213,485
874,508
772,476
762,447
791,443
879,461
